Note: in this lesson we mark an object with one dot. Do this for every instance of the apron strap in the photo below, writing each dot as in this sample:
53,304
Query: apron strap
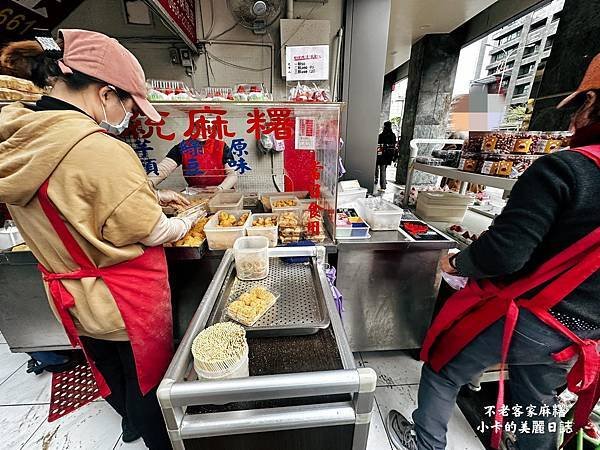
61,229
591,151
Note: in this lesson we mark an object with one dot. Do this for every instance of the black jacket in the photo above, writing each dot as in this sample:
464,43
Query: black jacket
555,203
387,140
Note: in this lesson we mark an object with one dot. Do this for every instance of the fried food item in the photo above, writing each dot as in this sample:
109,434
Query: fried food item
228,220
289,220
251,306
193,202
21,248
195,237
270,221
284,203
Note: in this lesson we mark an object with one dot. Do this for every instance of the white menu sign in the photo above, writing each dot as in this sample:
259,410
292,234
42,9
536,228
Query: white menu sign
307,63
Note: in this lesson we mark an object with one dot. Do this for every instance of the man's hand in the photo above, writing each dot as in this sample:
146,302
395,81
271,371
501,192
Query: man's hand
446,266
172,198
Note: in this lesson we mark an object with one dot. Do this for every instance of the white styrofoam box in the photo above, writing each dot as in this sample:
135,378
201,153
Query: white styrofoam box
442,206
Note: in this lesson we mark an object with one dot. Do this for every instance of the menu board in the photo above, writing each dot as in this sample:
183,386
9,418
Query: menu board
307,63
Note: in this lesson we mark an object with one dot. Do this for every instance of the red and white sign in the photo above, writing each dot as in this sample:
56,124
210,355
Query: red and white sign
182,15
307,63
306,134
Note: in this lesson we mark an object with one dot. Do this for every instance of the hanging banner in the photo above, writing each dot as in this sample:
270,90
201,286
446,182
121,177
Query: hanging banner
307,63
18,18
181,15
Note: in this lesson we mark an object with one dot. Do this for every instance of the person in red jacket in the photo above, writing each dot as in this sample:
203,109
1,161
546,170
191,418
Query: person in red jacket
533,300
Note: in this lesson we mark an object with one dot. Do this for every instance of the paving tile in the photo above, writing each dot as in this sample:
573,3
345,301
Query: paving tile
95,426
394,368
2,340
378,439
137,445
18,423
404,399
10,362
25,388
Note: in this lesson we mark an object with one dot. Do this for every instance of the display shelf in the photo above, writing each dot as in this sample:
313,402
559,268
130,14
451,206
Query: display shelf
455,174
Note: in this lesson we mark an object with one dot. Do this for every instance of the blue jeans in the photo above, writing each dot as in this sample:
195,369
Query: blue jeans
534,379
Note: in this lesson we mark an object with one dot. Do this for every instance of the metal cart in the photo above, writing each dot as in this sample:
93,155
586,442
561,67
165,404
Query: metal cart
304,391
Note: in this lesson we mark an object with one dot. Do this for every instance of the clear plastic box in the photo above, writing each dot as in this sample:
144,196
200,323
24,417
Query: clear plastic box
380,214
226,201
442,206
296,208
349,192
222,238
251,258
265,197
271,233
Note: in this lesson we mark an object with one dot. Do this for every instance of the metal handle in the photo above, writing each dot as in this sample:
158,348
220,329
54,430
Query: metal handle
271,419
267,387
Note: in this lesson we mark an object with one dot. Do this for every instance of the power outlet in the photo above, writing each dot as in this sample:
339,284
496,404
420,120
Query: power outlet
186,58
174,56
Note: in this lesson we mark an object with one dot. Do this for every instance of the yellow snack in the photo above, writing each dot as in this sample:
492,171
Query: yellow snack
195,237
251,306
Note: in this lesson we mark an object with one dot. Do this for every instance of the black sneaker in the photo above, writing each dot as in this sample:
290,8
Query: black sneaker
130,434
401,431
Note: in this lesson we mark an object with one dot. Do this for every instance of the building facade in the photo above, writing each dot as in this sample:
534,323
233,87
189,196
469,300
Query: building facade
518,52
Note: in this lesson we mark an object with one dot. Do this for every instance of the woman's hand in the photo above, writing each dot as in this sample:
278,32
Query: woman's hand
171,198
446,266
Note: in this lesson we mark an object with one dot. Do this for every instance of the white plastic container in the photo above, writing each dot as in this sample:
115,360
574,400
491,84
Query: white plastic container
380,214
442,206
349,192
240,370
271,233
222,238
265,197
282,209
226,201
251,258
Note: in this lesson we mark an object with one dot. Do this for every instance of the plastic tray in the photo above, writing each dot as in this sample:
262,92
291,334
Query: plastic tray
282,209
246,323
379,214
442,206
271,233
265,197
221,238
226,201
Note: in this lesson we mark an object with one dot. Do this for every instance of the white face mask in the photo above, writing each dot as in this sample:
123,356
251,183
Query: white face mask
120,127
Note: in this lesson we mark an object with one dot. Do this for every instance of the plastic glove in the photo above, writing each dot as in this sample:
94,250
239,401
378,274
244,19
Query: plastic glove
191,216
171,198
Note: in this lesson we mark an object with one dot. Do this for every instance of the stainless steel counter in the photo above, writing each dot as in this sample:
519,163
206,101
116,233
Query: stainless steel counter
390,285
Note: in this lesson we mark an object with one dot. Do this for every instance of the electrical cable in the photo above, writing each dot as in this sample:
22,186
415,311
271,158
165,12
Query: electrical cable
236,66
212,19
224,32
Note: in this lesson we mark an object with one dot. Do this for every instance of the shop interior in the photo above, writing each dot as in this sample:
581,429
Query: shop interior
296,96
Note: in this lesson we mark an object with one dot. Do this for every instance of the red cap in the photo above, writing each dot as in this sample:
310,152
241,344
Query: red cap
101,57
590,82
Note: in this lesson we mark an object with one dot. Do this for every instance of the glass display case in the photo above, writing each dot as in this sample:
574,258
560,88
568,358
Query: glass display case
262,147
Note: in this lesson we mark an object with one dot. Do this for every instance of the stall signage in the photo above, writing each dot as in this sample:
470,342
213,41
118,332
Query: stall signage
307,63
182,16
18,18
306,133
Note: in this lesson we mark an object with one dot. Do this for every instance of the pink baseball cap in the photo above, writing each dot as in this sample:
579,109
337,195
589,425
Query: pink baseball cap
102,57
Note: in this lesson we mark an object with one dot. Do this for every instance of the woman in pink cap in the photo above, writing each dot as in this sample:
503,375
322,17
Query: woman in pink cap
84,206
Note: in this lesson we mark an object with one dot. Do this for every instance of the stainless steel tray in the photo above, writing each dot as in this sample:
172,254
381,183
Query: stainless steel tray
300,309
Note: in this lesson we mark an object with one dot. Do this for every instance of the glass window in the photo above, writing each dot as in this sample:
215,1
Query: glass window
538,25
520,90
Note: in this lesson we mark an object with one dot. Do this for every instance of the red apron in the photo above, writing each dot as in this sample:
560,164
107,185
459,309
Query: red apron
480,304
141,291
202,162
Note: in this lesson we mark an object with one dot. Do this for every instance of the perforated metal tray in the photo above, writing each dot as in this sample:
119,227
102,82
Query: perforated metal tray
300,309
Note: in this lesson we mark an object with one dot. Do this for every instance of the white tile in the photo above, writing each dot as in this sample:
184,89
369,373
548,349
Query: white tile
404,399
2,340
378,439
18,423
137,445
95,426
394,368
10,362
25,388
